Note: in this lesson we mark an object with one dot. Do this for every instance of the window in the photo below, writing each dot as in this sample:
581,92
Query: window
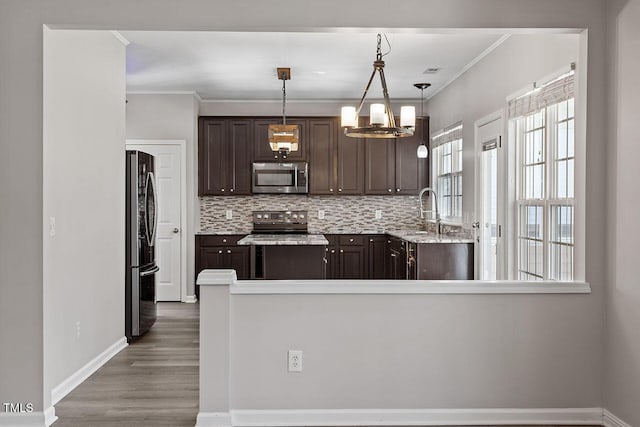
545,182
446,148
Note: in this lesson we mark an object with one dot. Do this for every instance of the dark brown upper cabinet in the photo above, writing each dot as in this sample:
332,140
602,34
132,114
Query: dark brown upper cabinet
392,166
262,151
224,156
336,161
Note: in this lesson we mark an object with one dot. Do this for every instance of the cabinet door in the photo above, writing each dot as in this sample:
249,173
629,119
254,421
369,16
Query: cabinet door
350,164
379,166
410,171
212,157
332,262
261,149
376,254
322,165
352,262
237,257
240,155
211,257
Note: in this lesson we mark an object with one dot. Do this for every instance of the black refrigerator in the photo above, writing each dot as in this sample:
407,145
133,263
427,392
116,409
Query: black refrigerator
141,225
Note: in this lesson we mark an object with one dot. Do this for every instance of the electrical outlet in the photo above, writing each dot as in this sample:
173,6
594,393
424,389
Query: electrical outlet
52,226
295,360
78,330
320,213
378,214
229,213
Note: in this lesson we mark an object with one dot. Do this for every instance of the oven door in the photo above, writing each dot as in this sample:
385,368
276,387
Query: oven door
280,178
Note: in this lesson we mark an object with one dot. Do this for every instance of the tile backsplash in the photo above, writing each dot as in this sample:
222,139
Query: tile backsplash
343,214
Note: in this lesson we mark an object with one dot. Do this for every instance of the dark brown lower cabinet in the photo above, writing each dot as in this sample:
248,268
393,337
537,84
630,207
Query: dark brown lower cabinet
222,252
396,259
377,256
347,256
288,262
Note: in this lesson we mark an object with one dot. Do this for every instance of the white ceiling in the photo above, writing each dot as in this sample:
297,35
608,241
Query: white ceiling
332,66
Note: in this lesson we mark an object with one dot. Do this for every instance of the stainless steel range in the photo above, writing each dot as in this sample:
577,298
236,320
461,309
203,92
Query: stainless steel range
282,248
280,222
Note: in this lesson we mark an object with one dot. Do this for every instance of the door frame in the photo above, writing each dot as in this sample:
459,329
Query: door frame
501,265
183,205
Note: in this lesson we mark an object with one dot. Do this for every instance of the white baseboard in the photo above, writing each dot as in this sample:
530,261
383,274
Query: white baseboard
50,416
73,381
213,419
401,417
31,419
190,299
610,420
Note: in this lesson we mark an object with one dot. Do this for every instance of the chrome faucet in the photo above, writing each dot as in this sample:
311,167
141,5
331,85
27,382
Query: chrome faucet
435,201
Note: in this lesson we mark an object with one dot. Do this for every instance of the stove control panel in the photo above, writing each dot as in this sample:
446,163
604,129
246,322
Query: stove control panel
280,217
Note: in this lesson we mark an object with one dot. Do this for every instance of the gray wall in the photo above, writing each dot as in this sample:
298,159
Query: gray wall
171,117
622,344
21,186
414,351
84,185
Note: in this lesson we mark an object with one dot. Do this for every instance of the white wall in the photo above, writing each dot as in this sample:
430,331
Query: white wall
21,186
84,186
172,117
622,344
516,63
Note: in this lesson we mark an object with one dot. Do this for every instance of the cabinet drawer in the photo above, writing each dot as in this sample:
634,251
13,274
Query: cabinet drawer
219,240
352,239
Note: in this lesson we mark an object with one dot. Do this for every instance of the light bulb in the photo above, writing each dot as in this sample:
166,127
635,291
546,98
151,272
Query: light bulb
423,152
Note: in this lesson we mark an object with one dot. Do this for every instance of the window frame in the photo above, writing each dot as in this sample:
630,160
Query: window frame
453,200
549,198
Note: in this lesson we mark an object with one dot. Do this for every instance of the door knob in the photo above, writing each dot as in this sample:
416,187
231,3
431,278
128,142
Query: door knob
176,230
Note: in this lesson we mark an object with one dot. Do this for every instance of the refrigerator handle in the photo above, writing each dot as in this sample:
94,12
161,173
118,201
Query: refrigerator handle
150,272
155,213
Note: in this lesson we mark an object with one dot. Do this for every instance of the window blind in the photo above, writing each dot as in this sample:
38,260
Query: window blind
448,134
552,92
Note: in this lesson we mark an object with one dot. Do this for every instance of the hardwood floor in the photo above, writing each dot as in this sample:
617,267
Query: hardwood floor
152,382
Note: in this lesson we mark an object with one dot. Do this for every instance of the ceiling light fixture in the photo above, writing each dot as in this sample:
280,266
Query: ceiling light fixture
284,138
423,151
382,124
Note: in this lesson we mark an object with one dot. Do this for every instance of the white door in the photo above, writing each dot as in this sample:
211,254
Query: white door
488,188
168,174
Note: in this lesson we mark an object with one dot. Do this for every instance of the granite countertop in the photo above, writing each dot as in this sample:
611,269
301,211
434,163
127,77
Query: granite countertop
283,239
222,233
413,236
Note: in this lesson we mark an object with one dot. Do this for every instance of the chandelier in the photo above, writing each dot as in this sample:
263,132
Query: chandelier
284,138
382,123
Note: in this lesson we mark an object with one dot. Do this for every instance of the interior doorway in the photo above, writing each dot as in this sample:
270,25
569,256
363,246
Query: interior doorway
490,192
170,158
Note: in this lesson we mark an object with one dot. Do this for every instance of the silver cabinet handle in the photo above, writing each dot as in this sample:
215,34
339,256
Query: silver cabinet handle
176,230
228,251
339,189
393,255
331,189
219,252
371,240
231,190
350,240
397,189
389,190
341,251
150,272
224,240
333,251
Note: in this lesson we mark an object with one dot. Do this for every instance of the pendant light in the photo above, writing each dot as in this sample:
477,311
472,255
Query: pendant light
382,123
422,151
284,138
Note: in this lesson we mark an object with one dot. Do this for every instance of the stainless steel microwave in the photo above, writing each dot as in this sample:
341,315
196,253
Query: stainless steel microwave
280,178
